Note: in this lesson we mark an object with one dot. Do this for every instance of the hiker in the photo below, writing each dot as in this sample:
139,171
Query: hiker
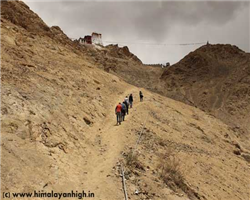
141,96
131,100
127,105
118,112
124,109
126,99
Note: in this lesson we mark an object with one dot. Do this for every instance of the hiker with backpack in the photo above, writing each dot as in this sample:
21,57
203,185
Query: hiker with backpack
126,102
124,109
131,100
118,112
141,96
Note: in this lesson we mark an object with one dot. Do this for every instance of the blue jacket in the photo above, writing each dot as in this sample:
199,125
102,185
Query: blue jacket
123,107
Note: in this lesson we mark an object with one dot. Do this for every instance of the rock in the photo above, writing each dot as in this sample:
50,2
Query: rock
237,152
246,156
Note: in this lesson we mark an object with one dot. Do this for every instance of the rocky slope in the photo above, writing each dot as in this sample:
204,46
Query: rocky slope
121,62
58,127
216,79
20,15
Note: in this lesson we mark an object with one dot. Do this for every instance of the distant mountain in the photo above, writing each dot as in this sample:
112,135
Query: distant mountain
215,78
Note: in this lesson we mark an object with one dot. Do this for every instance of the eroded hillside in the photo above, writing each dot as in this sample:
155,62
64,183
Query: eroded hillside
58,128
121,62
216,79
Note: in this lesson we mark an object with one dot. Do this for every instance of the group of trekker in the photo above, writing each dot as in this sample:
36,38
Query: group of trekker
122,109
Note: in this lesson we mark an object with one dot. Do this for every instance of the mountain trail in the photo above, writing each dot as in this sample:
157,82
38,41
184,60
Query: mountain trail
111,145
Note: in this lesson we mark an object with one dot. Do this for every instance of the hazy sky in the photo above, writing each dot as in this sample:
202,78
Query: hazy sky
134,23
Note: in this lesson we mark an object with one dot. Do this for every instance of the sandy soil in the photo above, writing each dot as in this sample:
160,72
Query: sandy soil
58,128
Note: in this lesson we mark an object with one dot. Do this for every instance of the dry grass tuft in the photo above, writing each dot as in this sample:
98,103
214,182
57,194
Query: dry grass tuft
132,161
171,174
170,169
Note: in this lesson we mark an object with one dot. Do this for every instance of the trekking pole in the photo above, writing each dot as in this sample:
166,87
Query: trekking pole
124,183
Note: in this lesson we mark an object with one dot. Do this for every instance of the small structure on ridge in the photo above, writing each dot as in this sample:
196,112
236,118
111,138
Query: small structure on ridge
95,38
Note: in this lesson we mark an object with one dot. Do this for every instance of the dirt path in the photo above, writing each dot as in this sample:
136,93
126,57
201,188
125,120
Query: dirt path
113,139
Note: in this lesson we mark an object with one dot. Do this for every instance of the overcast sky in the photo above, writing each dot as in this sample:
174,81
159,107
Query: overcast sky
133,24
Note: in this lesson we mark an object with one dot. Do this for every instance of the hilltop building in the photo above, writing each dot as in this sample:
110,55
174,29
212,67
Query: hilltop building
85,40
95,38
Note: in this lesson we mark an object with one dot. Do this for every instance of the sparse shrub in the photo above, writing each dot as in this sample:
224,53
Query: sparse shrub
132,161
171,174
170,169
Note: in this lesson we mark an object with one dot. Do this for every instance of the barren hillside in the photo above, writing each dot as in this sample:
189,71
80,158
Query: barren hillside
121,62
216,79
58,126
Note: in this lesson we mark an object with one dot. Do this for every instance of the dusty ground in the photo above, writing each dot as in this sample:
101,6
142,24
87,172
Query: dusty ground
202,144
58,130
